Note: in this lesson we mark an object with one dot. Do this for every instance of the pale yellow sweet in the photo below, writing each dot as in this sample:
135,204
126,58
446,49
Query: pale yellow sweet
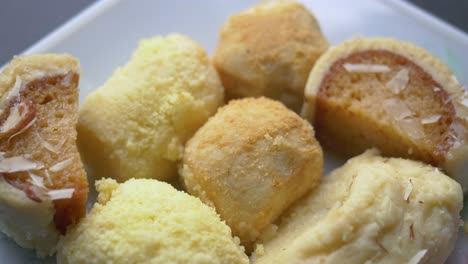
137,123
252,160
147,221
382,210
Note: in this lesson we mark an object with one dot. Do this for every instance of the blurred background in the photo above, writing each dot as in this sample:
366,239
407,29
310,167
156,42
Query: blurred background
24,22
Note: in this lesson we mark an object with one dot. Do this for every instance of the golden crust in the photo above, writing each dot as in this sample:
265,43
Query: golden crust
251,161
269,50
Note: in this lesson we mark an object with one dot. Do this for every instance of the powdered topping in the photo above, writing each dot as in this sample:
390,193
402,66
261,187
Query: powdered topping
416,259
61,165
408,190
399,81
430,120
17,164
61,194
397,108
366,67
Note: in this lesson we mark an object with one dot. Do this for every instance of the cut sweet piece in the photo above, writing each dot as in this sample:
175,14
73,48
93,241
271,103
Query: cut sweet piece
269,50
391,95
372,210
43,186
251,161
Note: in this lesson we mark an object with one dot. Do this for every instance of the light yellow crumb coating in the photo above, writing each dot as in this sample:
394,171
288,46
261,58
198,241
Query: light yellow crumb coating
147,221
369,210
137,123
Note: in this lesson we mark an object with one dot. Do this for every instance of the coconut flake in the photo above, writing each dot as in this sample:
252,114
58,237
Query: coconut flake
397,108
61,194
430,119
46,172
349,67
436,89
46,144
14,92
23,129
399,81
408,190
412,127
416,259
17,164
61,165
36,180
13,118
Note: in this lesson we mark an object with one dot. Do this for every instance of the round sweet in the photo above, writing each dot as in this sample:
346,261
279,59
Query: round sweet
147,221
392,95
372,210
136,124
268,50
251,161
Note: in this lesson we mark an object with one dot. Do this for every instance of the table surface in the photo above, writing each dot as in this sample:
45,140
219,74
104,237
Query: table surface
40,17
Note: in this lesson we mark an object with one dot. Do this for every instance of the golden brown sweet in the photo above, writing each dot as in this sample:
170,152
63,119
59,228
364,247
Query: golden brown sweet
371,210
268,50
251,161
43,186
391,95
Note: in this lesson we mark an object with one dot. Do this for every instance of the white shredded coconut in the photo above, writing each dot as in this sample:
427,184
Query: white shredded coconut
23,129
366,67
36,180
17,164
61,194
61,165
399,81
416,259
408,190
46,144
430,119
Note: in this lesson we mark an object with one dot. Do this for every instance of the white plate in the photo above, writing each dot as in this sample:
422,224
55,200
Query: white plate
104,36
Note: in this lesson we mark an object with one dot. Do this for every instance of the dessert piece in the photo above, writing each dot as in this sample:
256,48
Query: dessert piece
372,210
43,186
391,95
136,124
251,161
147,221
268,50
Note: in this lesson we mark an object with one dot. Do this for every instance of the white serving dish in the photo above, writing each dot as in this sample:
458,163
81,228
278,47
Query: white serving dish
104,35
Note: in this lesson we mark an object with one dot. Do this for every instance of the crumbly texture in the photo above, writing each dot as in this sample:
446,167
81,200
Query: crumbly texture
268,50
147,221
251,161
382,210
414,109
47,89
137,123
